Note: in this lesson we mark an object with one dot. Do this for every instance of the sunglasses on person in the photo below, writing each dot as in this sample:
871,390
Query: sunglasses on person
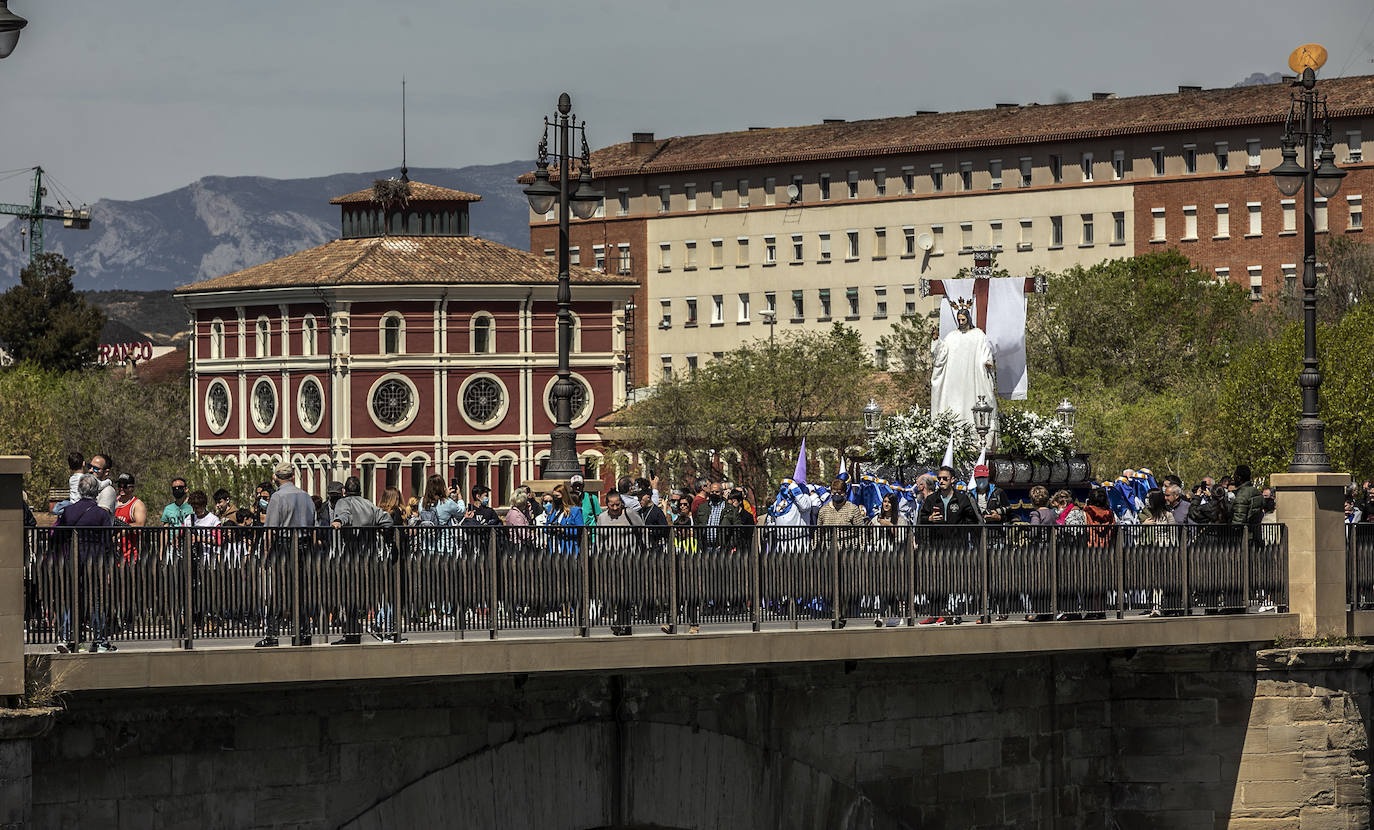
945,478
93,468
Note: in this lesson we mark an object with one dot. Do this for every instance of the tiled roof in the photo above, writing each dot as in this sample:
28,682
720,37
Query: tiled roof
1078,120
419,192
426,260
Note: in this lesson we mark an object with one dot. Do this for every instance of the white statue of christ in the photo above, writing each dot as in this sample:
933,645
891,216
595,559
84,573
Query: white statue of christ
962,371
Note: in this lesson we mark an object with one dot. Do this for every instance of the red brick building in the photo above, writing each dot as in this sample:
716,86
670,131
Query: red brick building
404,348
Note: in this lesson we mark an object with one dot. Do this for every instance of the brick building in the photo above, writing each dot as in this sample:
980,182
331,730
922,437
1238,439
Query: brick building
402,349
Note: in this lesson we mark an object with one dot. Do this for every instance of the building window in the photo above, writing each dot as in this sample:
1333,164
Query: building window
770,302
937,178
666,369
689,256
599,258
770,250
691,312
797,183
1027,166
853,184
1190,158
577,402
909,241
908,301
966,175
309,336
622,201
217,406
1157,157
1319,215
770,191
264,337
1119,227
880,243
1290,279
665,256
851,296
824,295
689,192
880,181
1223,154
483,334
1118,164
665,314
797,248
1256,282
1024,243
717,253
717,309
1223,221
691,365
1252,154
1354,150
1087,229
965,235
823,184
852,237
310,404
937,239
264,406
622,253
575,255
908,180
1087,165
1255,225
483,400
880,302
742,251
393,333
664,197
548,253
1056,168
1056,231
1223,275
717,195
995,174
743,308
880,358
742,188
825,247
798,305
1189,223
216,339
393,402
1157,235
1289,212
1356,204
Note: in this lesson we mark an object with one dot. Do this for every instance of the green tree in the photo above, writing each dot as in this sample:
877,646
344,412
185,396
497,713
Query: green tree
907,349
44,321
763,396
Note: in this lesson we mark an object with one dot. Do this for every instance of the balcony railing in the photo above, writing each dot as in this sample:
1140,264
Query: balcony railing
183,585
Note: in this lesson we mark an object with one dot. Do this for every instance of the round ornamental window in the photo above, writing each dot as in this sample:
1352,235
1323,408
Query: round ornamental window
482,400
264,404
391,402
217,406
311,404
578,403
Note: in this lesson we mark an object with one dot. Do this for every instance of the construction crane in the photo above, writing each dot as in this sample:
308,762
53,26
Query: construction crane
37,212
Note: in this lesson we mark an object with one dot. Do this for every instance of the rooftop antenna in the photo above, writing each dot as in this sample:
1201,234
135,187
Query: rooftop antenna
405,174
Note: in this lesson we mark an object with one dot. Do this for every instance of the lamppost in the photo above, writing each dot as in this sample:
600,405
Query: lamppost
982,419
10,25
873,418
1067,415
1306,126
582,203
770,319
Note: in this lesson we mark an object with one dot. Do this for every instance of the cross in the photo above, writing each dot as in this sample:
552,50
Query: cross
981,273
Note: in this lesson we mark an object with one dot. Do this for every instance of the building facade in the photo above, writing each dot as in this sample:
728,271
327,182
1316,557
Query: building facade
403,349
842,220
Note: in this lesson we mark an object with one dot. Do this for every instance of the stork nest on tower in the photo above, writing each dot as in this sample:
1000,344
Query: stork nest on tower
388,192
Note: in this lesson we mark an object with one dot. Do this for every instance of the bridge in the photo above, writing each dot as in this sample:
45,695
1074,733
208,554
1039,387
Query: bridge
818,690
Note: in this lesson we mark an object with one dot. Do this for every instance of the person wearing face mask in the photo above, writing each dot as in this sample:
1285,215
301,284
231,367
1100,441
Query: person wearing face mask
990,501
479,511
541,518
260,501
713,513
175,513
838,510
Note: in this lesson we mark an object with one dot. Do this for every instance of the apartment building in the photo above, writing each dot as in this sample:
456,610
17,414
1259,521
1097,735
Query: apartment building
842,220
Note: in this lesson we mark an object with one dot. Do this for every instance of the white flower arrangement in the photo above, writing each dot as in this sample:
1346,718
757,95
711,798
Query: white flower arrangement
917,438
1034,436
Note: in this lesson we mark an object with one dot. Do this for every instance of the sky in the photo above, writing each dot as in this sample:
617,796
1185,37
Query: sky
130,98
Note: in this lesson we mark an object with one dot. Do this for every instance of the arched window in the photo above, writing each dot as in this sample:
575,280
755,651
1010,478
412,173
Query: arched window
576,345
483,334
309,344
413,223
397,223
217,339
264,338
393,333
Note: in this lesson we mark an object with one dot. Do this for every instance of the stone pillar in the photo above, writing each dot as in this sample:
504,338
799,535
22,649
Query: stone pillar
13,468
1312,506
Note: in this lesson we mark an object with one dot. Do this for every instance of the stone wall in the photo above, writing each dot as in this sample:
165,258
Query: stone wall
1160,738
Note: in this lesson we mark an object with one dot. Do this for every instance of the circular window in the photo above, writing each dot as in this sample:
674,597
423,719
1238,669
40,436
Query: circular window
217,406
391,401
264,404
582,400
310,404
482,401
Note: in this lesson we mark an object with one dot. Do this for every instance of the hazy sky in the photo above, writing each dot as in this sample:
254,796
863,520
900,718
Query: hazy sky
129,98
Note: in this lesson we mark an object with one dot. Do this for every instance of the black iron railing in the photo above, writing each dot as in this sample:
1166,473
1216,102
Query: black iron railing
184,585
1359,566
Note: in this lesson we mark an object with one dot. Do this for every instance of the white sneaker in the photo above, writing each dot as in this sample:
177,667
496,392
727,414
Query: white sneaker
1268,608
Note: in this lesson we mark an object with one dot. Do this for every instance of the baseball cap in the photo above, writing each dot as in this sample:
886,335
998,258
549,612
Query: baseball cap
284,471
576,479
335,488
981,471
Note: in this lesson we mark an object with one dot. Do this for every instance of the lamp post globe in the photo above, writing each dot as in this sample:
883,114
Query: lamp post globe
11,25
873,418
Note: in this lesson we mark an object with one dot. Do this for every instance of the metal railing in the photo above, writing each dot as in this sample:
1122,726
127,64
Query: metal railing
1359,566
184,585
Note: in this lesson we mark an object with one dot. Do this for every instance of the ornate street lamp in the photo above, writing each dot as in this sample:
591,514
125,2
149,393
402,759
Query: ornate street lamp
10,26
1066,414
1308,126
873,417
982,419
582,203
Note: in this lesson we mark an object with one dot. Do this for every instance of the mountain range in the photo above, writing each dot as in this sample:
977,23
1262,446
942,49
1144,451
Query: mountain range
220,224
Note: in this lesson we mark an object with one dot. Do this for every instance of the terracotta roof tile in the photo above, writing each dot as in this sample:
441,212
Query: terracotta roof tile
1079,120
419,192
429,260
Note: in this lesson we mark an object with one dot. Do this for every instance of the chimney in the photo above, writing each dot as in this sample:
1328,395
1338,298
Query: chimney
1182,88
1007,106
751,129
1102,96
642,144
927,112
832,120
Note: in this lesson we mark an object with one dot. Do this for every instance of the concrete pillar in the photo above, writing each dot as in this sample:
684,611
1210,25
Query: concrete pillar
13,468
1312,506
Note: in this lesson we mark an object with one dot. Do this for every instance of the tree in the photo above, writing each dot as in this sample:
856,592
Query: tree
1347,281
45,322
764,395
907,348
